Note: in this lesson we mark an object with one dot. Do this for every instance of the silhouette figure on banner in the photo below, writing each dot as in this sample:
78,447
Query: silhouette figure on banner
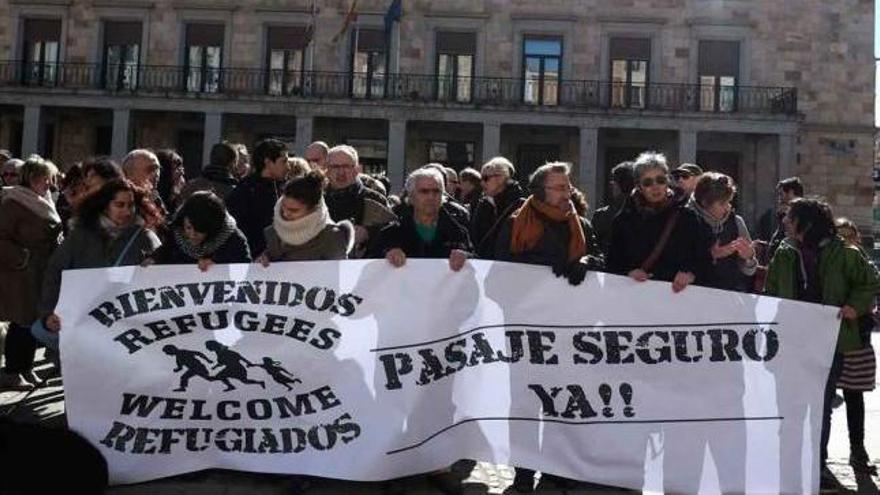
233,366
278,373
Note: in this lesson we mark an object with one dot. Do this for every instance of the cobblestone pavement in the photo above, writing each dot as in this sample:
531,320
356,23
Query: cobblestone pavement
46,406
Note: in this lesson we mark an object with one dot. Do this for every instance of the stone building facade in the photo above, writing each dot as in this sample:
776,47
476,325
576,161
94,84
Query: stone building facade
757,89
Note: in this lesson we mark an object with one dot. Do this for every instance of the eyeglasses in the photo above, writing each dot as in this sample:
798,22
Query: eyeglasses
486,178
660,180
562,189
429,191
338,167
10,174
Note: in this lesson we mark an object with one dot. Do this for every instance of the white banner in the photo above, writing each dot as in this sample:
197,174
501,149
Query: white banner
360,371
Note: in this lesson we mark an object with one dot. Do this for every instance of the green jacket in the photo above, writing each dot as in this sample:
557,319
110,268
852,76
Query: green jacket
847,278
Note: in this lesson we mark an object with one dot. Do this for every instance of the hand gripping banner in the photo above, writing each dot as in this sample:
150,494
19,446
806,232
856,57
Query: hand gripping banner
360,371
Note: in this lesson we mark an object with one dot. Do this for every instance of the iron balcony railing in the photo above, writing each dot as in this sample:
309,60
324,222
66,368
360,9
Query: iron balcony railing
466,91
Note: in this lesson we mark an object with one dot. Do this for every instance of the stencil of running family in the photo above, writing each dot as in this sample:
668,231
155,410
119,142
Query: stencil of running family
233,366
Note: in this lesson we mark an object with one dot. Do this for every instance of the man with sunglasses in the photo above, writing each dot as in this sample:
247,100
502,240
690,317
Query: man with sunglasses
656,236
11,172
501,196
686,177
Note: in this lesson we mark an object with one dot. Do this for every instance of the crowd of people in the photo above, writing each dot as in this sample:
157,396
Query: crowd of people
265,205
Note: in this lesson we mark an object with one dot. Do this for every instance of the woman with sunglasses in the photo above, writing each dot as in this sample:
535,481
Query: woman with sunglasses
501,196
655,236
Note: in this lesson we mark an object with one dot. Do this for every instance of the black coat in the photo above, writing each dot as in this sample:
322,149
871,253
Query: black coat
402,234
234,250
552,249
489,215
252,204
636,230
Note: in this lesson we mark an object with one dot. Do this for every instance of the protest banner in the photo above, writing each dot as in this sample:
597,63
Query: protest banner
361,371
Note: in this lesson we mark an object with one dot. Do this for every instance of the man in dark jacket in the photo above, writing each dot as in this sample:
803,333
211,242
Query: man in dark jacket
621,186
252,203
217,176
349,199
425,229
546,229
683,253
502,195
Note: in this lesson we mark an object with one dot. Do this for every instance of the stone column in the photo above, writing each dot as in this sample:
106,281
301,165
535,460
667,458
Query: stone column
213,133
30,136
786,164
304,126
687,146
491,140
588,164
119,146
396,153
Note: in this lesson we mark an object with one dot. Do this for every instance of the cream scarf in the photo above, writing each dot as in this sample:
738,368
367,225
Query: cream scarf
299,232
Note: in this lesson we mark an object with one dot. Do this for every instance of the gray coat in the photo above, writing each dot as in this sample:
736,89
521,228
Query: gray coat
333,243
89,248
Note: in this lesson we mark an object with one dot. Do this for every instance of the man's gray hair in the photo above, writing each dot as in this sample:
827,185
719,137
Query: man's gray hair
423,173
320,145
132,156
346,150
34,168
498,165
649,160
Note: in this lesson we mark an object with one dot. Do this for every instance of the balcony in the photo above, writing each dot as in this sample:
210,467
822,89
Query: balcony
465,92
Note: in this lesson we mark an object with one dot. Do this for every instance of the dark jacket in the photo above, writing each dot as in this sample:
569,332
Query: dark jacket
602,220
26,242
455,210
217,180
92,248
637,229
362,207
252,204
489,215
233,249
732,272
403,235
552,249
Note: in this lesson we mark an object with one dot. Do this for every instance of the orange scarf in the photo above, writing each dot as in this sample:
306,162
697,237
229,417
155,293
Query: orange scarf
528,227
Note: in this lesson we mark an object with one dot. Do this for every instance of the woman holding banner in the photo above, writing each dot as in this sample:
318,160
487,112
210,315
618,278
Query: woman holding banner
30,229
301,228
814,265
203,233
109,232
655,236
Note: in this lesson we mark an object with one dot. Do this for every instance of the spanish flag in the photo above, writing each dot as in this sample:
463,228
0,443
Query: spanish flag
350,17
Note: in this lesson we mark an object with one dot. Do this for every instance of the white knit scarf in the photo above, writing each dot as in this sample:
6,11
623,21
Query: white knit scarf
299,232
42,206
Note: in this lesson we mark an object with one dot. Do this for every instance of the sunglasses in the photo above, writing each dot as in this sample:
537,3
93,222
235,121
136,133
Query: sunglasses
660,180
485,178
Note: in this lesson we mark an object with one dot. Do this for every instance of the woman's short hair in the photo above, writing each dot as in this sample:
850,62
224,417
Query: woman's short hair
308,189
205,211
34,168
424,173
498,165
649,160
713,187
